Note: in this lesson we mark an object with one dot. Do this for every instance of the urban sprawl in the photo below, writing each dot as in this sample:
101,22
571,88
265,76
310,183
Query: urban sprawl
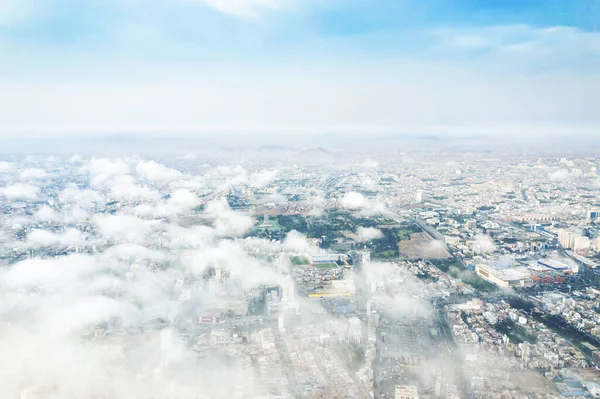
311,273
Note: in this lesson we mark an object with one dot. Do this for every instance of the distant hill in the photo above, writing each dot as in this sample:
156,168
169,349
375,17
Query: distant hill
315,151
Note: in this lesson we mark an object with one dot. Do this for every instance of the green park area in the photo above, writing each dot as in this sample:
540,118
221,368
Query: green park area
299,260
325,265
335,226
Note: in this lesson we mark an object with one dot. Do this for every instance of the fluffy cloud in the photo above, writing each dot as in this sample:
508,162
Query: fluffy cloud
75,214
59,271
103,169
70,237
369,164
20,191
107,166
46,214
155,172
182,200
85,198
353,199
75,158
33,174
6,167
190,156
559,175
483,244
297,242
366,207
226,222
368,233
262,178
124,188
124,227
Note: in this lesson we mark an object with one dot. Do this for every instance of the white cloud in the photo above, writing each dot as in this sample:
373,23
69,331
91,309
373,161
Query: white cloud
108,167
20,191
6,167
75,214
483,244
154,171
235,175
190,156
124,188
559,175
103,170
33,174
59,271
353,199
70,237
369,164
243,8
46,214
75,158
227,223
262,178
298,243
144,210
367,207
368,233
124,227
182,200
85,198
130,251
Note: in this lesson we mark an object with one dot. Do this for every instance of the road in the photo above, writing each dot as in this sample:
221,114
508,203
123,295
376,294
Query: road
286,362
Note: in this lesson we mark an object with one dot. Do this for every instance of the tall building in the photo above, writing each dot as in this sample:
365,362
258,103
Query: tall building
167,346
288,292
572,240
419,196
440,387
360,260
581,243
567,238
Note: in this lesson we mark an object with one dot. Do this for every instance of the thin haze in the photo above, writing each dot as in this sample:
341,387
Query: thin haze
72,67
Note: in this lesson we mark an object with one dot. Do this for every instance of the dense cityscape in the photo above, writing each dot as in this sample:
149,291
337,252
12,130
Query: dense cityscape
300,273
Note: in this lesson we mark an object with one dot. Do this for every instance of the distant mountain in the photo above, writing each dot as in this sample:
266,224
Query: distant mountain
315,151
275,148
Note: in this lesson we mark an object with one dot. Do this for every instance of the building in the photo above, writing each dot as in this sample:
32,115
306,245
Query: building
419,196
536,227
566,238
510,277
572,240
581,243
440,387
288,292
406,392
452,240
360,259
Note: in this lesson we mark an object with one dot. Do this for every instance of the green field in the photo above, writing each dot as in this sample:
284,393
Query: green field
326,265
299,260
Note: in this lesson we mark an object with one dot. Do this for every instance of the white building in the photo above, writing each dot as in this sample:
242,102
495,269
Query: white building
406,392
510,277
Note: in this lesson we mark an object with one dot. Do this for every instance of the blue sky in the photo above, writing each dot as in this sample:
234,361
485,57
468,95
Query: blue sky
233,65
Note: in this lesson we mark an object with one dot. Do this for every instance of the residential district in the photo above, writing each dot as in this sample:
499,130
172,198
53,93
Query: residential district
301,274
